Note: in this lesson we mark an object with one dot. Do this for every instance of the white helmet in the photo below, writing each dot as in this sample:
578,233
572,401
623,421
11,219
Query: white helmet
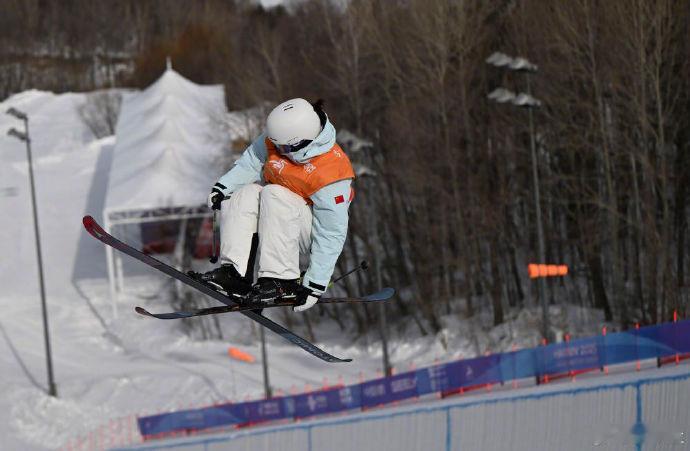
292,125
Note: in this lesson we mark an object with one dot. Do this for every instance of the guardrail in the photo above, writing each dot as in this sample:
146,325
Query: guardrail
639,413
661,342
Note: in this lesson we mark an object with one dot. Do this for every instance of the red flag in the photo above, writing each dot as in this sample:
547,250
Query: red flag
339,199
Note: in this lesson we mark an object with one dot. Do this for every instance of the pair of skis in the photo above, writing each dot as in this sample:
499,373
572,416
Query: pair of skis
97,232
382,295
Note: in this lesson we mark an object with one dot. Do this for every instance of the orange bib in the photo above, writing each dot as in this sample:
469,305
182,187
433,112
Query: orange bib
306,179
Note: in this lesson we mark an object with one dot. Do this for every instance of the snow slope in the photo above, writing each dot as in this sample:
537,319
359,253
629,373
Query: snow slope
108,367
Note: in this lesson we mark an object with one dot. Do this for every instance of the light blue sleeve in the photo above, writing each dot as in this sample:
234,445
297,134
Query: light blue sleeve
328,232
247,168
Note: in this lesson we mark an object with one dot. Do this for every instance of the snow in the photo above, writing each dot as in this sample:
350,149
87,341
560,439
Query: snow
165,136
109,368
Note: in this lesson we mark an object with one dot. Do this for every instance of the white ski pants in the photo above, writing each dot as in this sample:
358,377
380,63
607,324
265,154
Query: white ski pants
283,221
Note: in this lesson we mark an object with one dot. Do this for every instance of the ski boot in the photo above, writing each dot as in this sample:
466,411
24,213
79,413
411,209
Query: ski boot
225,278
268,290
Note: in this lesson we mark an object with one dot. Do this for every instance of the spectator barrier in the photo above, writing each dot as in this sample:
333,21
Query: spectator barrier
660,342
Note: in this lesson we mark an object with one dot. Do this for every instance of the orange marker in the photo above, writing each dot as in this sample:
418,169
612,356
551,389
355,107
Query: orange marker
240,355
541,270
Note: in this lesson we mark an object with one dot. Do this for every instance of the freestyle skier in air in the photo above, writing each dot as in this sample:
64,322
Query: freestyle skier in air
292,187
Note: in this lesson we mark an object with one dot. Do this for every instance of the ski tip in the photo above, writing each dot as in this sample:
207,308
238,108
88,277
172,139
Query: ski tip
388,291
141,311
383,295
92,227
88,221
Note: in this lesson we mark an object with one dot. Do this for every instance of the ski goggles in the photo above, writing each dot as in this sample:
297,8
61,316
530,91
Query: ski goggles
290,148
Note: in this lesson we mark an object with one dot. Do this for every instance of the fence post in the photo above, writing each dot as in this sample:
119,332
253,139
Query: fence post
571,372
544,342
603,334
514,349
675,335
637,349
439,394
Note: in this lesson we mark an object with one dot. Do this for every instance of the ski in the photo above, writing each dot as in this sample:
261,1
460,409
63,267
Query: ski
379,296
97,232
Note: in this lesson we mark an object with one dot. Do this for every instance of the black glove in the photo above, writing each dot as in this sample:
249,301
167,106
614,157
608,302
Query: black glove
216,197
306,298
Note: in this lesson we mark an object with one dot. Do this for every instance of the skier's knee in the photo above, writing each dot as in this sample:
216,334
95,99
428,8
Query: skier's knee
272,193
251,189
247,195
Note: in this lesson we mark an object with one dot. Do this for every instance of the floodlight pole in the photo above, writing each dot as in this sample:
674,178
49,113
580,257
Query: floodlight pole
52,389
504,61
540,228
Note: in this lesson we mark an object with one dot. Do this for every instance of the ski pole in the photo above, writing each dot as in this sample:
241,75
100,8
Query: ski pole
363,265
214,247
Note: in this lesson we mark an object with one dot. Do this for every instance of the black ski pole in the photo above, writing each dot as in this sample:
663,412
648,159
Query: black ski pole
363,265
214,247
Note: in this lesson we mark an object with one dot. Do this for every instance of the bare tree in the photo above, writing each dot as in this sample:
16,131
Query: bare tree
100,112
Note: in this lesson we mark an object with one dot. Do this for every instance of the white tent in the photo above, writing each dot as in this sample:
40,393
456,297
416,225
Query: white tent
165,156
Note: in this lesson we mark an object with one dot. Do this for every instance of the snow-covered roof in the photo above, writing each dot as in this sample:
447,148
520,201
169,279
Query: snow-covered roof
166,146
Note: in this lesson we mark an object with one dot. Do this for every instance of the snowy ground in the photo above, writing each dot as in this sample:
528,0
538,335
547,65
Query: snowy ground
107,367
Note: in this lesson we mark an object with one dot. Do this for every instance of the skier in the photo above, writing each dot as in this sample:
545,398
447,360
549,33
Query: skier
292,187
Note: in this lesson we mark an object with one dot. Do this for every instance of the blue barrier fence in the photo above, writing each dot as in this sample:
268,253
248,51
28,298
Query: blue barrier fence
659,341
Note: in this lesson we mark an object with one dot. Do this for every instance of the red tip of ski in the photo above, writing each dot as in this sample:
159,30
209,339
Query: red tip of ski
92,226
88,222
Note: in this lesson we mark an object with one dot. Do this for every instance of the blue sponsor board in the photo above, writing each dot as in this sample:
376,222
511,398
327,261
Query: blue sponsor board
648,342
264,410
435,380
681,339
184,420
386,390
624,347
518,364
569,356
327,401
477,371
675,338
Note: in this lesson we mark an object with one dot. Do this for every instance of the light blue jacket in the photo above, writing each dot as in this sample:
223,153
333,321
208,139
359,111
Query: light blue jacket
329,218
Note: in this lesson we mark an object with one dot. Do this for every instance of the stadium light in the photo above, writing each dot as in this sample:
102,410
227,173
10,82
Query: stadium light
18,114
17,134
528,102
499,59
521,64
24,136
502,95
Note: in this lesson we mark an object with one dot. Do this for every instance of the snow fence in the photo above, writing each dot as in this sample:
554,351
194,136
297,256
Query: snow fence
641,414
566,358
